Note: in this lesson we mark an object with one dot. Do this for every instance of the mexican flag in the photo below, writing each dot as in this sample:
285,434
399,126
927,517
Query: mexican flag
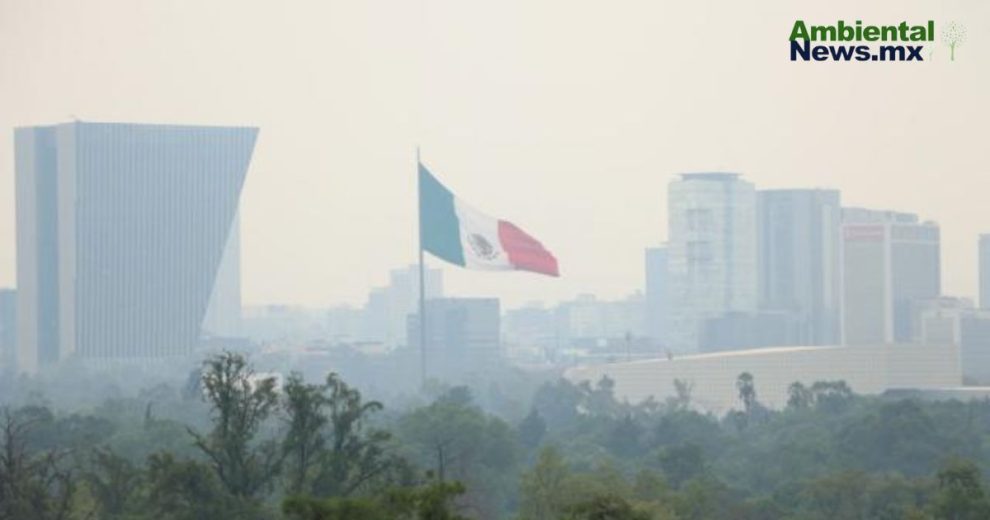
462,235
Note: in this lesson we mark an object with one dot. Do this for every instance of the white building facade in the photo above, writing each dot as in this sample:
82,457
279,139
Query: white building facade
712,253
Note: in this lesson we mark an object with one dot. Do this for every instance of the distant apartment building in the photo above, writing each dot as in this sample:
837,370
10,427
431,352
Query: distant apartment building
798,265
587,318
712,253
985,271
285,324
121,231
889,261
8,330
462,335
529,333
388,308
657,289
955,321
738,331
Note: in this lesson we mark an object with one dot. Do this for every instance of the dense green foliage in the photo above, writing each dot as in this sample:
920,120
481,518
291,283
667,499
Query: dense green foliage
233,444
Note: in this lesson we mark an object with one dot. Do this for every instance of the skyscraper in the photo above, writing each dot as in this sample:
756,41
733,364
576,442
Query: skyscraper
712,252
8,330
657,287
37,247
121,229
890,260
798,233
985,271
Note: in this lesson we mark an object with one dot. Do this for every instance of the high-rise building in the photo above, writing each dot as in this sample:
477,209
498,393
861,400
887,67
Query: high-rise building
657,288
711,253
798,234
121,229
890,260
462,335
36,199
8,330
985,271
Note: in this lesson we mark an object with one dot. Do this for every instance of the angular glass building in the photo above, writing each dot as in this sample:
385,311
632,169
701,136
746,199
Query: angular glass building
121,229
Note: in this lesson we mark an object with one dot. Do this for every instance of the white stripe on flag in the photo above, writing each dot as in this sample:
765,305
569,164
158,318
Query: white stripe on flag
479,239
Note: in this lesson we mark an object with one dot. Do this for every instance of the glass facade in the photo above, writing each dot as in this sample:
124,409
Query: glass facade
142,218
799,260
712,253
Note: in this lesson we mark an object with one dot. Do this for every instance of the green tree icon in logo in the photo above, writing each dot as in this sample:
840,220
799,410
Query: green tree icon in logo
954,35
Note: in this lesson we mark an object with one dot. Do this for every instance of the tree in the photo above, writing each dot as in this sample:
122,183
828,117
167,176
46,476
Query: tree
464,444
953,35
541,489
606,507
747,391
32,485
354,457
532,429
430,501
240,403
683,390
558,404
115,485
190,490
799,397
305,439
960,492
623,438
831,396
309,508
433,501
682,463
600,400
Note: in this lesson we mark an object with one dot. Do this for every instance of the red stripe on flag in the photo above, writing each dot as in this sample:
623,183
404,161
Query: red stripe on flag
525,252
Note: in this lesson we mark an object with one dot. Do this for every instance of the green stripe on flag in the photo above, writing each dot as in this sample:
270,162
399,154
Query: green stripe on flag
439,227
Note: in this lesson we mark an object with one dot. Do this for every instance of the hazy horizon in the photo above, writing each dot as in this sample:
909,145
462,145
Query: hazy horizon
571,132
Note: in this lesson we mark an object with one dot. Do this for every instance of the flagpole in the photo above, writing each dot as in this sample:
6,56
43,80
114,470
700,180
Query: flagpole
422,280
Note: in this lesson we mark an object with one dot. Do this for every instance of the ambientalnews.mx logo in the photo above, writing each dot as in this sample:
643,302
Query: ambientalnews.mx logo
914,38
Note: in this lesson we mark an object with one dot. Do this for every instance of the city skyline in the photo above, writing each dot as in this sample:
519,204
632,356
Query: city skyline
580,152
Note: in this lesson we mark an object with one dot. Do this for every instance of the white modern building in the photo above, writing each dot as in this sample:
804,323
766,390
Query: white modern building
866,369
712,253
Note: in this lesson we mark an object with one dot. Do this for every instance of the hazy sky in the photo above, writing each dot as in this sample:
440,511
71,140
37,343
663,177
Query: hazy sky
567,117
